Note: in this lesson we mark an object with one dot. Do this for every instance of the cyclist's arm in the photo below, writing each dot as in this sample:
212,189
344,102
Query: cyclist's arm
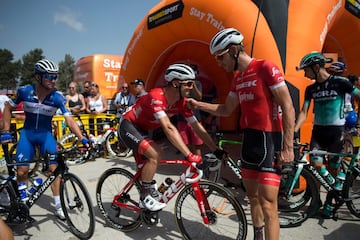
302,116
7,117
216,109
173,135
202,133
70,122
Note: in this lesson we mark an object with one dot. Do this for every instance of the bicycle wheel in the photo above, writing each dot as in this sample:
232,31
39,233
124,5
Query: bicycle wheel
114,146
127,218
299,205
79,155
226,216
351,191
77,206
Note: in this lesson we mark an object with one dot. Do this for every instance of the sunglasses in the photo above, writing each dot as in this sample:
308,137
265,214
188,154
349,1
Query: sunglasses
188,83
50,77
125,87
220,56
94,85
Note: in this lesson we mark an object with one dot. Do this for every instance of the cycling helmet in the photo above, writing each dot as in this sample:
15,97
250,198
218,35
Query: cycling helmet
312,59
46,66
351,119
337,67
179,71
224,38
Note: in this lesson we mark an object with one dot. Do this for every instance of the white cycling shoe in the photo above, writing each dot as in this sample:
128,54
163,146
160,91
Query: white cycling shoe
60,214
151,204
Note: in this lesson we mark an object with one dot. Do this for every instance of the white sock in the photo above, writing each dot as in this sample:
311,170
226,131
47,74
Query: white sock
57,202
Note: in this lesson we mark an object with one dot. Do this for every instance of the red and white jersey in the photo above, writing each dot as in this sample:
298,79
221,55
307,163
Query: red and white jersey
253,88
148,109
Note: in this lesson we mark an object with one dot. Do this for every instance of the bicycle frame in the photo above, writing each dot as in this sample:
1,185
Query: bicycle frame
191,175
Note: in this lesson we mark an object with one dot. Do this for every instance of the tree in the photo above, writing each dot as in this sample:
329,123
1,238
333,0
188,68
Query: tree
9,70
66,73
27,68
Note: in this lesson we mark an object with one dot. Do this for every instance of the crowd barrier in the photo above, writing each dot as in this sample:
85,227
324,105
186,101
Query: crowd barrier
93,124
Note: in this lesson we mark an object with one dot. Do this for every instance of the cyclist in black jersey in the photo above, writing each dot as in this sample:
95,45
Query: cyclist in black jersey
328,93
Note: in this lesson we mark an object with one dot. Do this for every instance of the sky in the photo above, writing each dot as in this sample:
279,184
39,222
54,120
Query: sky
76,27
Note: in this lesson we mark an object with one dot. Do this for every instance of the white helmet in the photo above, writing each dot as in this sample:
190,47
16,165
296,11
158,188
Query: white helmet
179,71
46,66
224,38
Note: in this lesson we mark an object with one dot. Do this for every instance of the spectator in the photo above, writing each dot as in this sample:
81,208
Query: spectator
267,134
123,100
75,101
139,87
97,102
87,89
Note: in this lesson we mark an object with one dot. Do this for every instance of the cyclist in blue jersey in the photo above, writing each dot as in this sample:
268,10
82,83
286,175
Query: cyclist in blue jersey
328,93
40,102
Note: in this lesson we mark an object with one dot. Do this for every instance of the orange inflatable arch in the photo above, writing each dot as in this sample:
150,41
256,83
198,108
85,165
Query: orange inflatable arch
279,30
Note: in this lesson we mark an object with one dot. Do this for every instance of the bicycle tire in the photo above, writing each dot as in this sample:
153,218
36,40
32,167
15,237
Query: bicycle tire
77,206
78,155
228,220
296,209
109,185
113,147
351,191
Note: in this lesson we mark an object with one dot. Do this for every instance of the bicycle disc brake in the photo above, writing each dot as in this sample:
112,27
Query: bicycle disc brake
149,217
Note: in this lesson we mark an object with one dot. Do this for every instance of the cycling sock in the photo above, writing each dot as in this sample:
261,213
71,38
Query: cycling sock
57,202
149,188
259,233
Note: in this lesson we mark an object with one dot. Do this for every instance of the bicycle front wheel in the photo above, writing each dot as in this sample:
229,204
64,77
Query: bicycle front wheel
226,216
120,212
114,148
352,192
77,206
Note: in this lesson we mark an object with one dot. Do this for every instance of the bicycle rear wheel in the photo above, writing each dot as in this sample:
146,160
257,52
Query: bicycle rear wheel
226,216
127,218
300,204
77,206
352,192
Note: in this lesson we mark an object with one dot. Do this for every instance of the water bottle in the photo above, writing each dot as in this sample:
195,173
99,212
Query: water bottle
37,182
23,191
340,178
165,185
326,175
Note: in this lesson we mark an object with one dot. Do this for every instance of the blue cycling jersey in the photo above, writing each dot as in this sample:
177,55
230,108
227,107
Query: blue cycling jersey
38,115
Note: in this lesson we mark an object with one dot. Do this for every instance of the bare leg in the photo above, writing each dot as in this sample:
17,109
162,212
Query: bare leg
268,196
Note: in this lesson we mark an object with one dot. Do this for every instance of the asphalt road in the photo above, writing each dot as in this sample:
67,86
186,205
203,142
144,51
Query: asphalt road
47,226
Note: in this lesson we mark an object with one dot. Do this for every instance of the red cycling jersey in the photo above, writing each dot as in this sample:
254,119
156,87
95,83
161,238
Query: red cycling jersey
148,109
253,88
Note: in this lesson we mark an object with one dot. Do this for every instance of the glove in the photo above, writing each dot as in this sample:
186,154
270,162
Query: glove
85,141
5,137
194,158
220,154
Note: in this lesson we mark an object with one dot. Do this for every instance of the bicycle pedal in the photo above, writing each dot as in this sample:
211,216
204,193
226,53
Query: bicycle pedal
150,218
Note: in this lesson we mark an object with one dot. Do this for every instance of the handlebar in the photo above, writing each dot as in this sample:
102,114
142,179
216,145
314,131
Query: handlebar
198,177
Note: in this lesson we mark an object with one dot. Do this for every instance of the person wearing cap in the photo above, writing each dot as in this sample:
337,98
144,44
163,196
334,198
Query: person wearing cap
259,88
328,94
139,87
123,100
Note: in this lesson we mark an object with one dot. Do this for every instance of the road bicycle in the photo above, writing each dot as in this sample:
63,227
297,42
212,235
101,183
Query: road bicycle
203,209
290,201
108,143
74,197
309,204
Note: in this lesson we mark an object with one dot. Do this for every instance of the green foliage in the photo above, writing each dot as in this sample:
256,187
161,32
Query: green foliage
66,73
9,70
27,68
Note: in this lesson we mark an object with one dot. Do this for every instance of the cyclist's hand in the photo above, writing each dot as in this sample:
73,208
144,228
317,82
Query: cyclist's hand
6,137
220,154
194,158
86,142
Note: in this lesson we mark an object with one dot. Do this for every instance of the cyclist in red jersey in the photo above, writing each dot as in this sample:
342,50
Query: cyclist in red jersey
259,88
154,110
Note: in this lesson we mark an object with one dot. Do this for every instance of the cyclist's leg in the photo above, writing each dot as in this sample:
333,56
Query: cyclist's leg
49,146
262,180
336,146
24,152
148,148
